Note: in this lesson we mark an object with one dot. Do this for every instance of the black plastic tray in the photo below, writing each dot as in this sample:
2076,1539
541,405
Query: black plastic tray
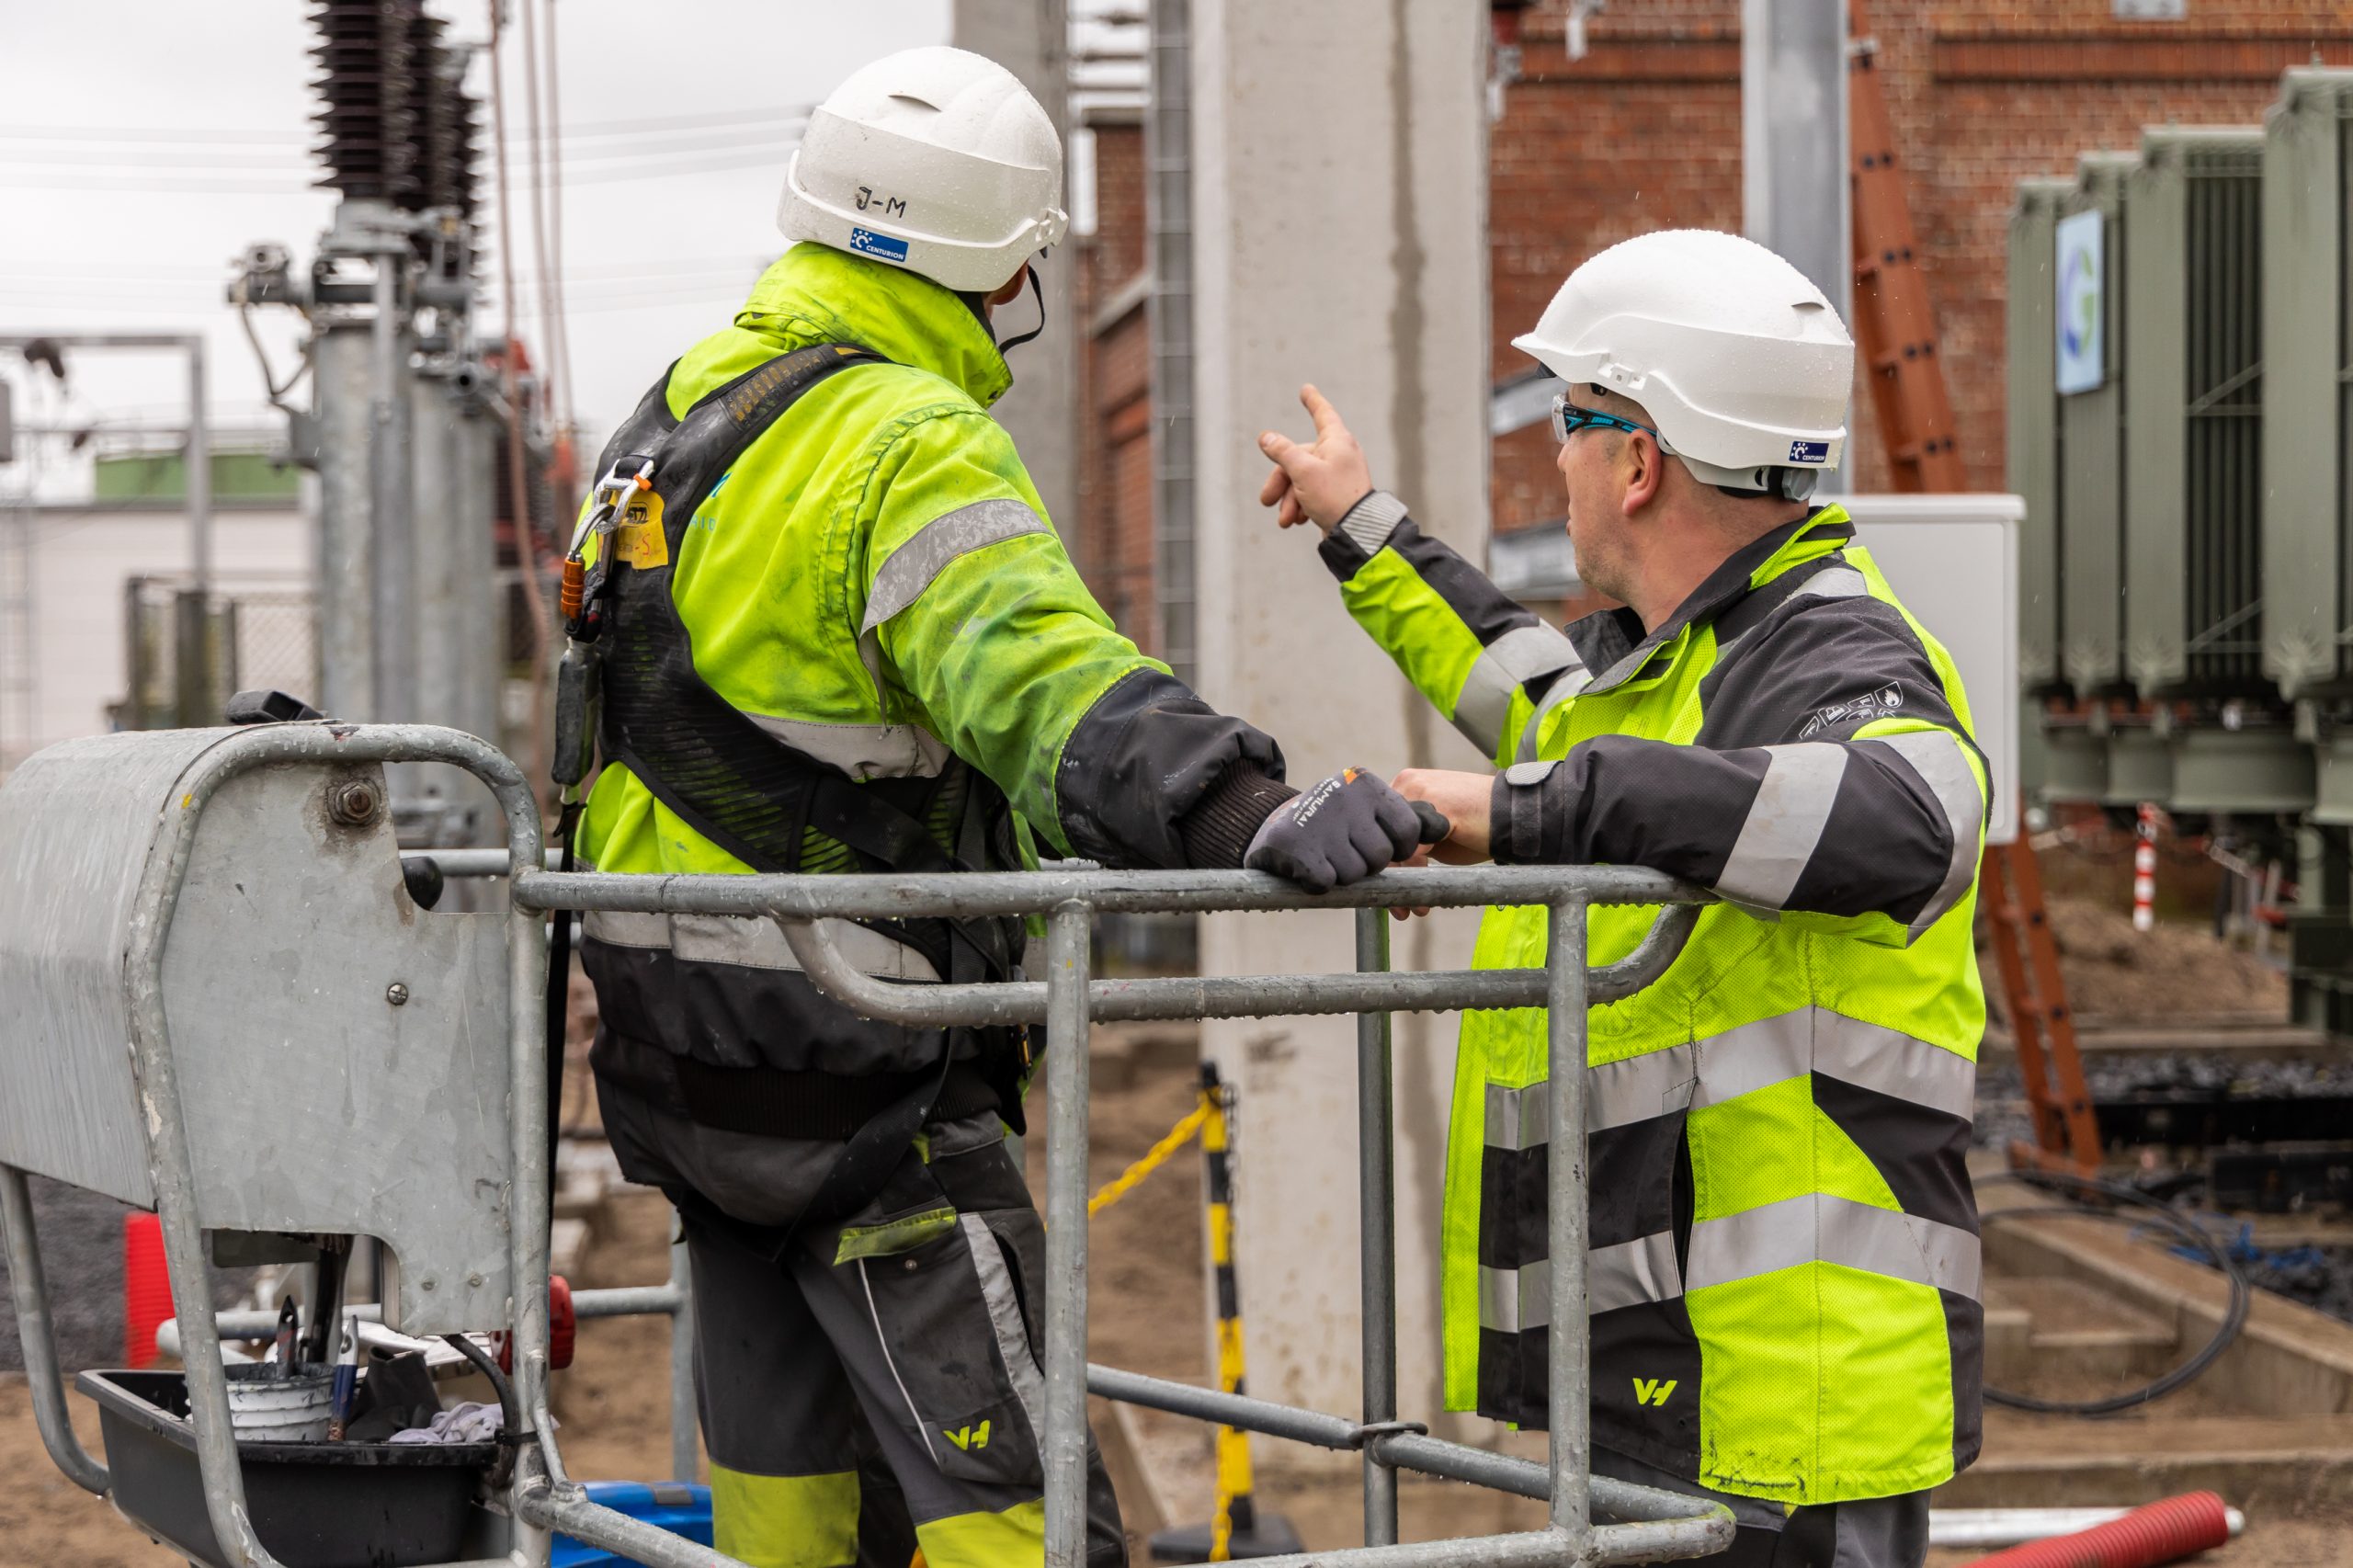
313,1504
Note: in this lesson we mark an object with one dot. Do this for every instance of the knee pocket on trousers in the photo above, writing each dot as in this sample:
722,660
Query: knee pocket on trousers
952,1314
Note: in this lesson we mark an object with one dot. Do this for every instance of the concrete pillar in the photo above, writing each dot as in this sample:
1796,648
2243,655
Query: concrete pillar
1031,38
1340,185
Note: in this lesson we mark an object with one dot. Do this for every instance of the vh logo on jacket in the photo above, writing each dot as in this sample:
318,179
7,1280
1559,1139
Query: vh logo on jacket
1653,1391
972,1440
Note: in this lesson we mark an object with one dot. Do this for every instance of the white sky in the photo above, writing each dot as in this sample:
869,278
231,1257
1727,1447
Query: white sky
145,143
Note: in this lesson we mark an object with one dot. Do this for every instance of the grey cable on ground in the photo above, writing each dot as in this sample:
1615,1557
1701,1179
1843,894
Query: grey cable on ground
2233,1317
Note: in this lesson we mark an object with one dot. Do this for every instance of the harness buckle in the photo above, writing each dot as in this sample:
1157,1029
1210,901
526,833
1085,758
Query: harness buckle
612,493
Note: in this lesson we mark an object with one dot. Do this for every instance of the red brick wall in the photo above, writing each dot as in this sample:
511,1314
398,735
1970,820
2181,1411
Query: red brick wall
1113,544
1643,134
1120,573
1115,251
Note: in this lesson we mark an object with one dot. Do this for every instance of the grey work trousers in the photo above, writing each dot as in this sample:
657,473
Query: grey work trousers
876,1385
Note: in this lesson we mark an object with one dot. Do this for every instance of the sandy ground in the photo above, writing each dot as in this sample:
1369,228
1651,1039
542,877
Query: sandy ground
1146,1315
2175,972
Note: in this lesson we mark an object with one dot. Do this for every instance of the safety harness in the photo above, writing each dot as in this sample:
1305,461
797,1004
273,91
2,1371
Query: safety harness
630,677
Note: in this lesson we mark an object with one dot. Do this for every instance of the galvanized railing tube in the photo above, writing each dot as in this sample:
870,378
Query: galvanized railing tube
1569,1408
29,1289
1068,930
169,1160
683,1415
1652,1525
1377,1234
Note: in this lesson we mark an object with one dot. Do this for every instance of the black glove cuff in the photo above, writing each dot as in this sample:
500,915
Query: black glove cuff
1217,833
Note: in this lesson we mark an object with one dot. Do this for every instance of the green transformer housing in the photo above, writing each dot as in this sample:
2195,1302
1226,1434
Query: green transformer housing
2091,476
2194,403
2308,358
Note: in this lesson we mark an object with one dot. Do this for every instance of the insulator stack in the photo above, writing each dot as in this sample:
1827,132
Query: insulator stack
446,118
368,116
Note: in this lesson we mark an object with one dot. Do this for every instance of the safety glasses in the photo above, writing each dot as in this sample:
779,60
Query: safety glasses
1568,419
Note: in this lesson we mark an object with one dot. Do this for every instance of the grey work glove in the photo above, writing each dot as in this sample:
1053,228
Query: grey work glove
1341,831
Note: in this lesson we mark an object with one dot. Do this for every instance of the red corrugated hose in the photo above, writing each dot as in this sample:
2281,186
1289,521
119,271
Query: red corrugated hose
2163,1532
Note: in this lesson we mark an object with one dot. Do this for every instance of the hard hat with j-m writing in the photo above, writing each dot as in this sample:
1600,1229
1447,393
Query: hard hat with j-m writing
936,160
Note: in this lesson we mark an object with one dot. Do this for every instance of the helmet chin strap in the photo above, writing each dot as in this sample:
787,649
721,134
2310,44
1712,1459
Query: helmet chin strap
1037,291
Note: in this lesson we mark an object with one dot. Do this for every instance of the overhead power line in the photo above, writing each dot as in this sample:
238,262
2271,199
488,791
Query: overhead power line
15,272
194,137
294,161
294,184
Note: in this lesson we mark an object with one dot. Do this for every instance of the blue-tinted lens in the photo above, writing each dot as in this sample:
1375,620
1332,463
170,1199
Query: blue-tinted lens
1568,419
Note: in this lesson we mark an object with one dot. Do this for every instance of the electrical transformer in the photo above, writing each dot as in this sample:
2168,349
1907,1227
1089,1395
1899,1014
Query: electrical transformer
2192,309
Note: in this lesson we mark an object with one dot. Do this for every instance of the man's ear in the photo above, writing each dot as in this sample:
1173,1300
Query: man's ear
1645,472
1010,289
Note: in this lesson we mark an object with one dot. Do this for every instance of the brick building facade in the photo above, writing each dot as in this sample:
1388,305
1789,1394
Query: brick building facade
1643,134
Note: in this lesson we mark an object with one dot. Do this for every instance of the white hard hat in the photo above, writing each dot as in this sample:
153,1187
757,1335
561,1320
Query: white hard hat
936,160
1736,355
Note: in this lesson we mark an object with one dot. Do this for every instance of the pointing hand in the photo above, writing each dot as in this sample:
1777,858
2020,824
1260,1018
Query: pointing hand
1318,483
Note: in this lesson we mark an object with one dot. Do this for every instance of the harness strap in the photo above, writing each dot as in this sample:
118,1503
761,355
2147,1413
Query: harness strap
743,788
759,798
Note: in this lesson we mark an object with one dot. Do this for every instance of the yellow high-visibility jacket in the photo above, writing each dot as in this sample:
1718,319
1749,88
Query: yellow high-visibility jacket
1785,1262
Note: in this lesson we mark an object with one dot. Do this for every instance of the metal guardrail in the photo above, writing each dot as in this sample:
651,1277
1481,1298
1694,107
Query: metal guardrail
1651,1525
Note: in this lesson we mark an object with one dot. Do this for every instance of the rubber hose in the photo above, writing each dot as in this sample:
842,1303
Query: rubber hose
2162,1532
511,1432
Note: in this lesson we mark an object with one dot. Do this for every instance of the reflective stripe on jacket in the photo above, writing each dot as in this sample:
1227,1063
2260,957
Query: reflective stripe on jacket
1784,1265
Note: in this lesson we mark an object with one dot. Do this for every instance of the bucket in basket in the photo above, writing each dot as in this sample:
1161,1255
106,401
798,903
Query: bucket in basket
267,1408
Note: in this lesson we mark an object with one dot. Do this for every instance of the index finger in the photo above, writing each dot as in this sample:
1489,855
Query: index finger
1326,417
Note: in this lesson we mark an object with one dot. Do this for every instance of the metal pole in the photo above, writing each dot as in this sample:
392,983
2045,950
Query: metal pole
1066,1089
193,658
478,619
1795,192
29,1289
1376,1232
438,639
527,1110
682,1362
391,584
199,476
345,570
1569,1409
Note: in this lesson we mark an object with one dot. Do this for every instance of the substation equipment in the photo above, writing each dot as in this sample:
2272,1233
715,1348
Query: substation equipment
408,421
2180,424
